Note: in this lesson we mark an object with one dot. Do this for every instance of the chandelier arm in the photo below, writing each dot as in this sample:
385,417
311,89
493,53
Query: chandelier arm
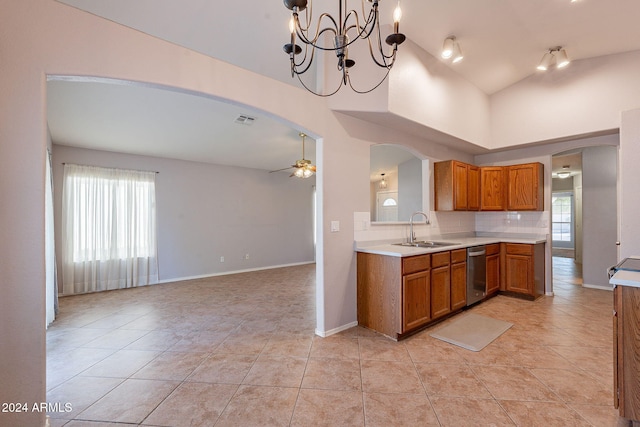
373,88
314,41
363,33
383,63
321,94
295,66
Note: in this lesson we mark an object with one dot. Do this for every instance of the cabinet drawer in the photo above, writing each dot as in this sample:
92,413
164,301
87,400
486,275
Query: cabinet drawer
519,249
493,249
459,255
440,259
416,263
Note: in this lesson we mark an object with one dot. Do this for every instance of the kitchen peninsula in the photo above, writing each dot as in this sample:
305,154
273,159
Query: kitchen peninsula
625,277
403,289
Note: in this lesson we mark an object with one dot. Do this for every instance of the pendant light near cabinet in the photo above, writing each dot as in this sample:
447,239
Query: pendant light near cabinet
383,184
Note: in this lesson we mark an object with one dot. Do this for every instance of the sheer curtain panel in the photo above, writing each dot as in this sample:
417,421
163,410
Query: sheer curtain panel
108,229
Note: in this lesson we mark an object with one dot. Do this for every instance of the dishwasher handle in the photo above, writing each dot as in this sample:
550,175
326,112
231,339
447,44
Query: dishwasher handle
479,253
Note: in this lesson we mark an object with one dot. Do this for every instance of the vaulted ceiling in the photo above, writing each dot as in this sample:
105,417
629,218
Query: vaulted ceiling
503,41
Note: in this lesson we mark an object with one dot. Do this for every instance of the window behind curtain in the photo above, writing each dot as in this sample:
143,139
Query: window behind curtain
109,228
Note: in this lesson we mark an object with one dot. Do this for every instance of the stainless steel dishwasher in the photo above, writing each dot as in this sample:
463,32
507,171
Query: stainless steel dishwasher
476,274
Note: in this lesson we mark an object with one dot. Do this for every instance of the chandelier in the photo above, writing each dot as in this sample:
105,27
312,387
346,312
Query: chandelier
344,31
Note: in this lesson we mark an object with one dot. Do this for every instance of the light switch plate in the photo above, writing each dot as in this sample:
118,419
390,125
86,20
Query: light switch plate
335,226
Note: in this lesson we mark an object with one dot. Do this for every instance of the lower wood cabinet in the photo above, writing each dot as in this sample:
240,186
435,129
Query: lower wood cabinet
626,351
440,284
458,279
397,296
416,300
493,268
524,269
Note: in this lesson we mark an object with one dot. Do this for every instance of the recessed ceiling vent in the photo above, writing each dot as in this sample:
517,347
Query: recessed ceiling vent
245,120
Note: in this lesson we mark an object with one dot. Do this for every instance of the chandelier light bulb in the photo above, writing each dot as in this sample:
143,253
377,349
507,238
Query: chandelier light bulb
292,25
397,14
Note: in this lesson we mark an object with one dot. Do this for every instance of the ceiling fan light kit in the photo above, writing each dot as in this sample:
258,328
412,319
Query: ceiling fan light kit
344,31
303,167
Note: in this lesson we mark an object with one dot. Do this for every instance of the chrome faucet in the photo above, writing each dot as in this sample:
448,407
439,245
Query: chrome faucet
412,235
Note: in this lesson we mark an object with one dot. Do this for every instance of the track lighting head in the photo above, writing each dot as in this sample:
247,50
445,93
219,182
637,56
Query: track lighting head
451,50
556,55
447,47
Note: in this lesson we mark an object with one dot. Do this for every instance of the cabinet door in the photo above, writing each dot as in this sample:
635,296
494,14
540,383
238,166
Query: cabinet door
458,285
525,187
519,273
493,274
492,188
473,188
459,186
415,300
440,291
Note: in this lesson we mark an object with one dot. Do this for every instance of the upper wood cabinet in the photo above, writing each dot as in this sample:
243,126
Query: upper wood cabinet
473,188
525,190
457,186
492,188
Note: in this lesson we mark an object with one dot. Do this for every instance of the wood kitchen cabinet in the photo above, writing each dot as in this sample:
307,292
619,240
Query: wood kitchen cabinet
416,278
626,351
457,186
525,187
394,294
399,296
440,284
524,269
458,279
492,188
493,268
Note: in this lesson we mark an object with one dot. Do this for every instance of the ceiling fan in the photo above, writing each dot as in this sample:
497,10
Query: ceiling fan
303,167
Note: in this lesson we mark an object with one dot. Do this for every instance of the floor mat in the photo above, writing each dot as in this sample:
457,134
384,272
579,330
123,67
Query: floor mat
473,332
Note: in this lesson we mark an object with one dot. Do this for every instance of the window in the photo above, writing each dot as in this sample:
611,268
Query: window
109,228
562,217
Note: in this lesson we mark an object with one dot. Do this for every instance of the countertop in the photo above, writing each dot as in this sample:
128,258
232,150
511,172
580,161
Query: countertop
389,249
626,277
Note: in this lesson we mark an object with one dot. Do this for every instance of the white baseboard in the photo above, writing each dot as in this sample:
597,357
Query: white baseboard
549,294
604,288
226,273
330,332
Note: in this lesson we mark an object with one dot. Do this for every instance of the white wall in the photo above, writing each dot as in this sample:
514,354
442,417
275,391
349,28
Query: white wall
588,96
628,181
599,214
206,211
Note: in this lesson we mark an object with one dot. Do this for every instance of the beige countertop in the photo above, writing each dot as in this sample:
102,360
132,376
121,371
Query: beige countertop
388,248
626,277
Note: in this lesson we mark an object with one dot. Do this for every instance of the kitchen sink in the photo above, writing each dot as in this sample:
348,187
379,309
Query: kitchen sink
426,244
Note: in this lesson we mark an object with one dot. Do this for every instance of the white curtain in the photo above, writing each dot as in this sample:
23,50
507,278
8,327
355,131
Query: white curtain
51,284
108,229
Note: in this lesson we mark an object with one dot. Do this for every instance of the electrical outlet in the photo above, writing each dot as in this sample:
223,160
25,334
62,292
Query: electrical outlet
246,256
221,259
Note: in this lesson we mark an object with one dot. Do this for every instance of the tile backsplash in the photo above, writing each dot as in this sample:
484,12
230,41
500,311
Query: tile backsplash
453,222
513,222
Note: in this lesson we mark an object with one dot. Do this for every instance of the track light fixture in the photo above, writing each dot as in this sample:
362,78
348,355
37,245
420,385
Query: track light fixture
344,31
556,55
451,50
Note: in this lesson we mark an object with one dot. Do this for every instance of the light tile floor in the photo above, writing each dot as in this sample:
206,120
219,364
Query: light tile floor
240,350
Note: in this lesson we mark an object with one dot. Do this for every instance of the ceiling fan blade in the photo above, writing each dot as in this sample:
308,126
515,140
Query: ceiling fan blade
283,169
